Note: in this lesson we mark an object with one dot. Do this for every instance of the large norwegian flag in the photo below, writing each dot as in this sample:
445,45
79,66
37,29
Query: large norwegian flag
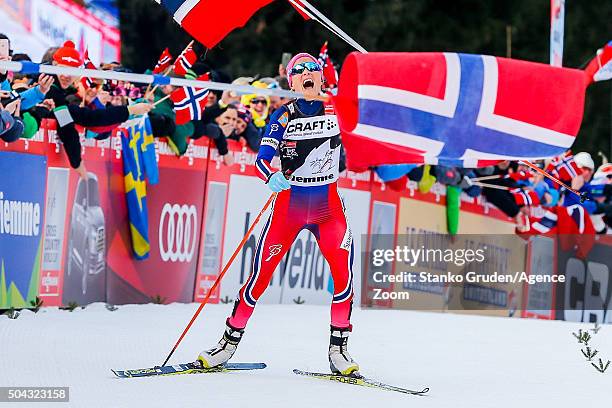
455,109
209,21
189,103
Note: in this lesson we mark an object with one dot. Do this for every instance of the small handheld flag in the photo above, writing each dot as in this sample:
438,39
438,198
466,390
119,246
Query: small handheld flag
189,103
87,64
600,68
164,62
329,71
185,61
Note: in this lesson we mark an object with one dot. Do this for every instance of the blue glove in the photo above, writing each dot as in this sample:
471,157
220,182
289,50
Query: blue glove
278,182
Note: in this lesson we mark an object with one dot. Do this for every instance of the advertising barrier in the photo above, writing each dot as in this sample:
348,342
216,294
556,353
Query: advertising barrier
201,208
19,10
585,294
55,21
22,209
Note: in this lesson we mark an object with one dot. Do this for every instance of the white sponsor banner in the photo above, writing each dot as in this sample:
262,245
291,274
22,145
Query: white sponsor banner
303,274
55,218
53,23
247,196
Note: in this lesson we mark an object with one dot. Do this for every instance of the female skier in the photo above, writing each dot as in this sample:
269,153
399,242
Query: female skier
308,136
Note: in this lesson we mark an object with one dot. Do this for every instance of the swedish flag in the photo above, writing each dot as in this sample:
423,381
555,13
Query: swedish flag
139,162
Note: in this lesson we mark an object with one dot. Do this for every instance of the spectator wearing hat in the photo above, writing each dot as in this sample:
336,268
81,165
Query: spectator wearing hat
11,128
65,56
582,184
258,105
246,132
69,115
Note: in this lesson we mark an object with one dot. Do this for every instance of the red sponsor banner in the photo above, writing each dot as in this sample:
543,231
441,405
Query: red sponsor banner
175,208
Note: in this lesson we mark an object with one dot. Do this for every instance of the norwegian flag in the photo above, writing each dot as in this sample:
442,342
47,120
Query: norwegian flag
189,103
221,16
165,59
600,68
564,167
87,64
329,71
520,175
455,109
573,225
525,197
185,61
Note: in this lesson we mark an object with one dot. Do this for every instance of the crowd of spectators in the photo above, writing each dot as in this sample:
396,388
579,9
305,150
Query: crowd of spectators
100,106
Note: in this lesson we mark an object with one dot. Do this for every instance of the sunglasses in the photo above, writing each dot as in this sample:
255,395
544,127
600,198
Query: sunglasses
258,101
300,68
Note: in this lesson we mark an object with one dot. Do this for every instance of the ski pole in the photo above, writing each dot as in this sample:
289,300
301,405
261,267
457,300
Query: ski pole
225,269
583,196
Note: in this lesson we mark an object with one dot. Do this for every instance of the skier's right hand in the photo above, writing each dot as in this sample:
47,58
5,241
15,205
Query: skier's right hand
277,182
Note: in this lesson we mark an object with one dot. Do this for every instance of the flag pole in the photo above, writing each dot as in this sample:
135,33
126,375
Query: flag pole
486,185
316,15
161,100
582,196
169,68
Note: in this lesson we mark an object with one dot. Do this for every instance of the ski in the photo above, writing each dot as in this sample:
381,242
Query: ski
188,368
359,380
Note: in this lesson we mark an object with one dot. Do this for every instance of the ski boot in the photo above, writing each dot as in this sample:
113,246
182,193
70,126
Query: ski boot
340,361
224,350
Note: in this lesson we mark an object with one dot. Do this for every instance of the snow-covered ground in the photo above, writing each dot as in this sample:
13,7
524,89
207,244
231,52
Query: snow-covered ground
467,361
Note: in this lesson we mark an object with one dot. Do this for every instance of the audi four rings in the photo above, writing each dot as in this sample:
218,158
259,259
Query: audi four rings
178,232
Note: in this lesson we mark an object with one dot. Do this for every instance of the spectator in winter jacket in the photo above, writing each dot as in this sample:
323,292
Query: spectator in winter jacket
581,183
11,128
32,96
70,115
246,133
258,105
163,121
218,124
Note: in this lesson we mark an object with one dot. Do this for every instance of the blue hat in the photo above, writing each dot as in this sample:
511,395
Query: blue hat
11,128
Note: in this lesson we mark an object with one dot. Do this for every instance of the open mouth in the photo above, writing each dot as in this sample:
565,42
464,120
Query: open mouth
308,84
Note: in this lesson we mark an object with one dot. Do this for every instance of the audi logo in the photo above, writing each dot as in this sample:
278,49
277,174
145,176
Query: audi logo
178,229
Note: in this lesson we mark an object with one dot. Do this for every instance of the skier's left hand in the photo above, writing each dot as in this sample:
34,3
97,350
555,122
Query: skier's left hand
278,182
